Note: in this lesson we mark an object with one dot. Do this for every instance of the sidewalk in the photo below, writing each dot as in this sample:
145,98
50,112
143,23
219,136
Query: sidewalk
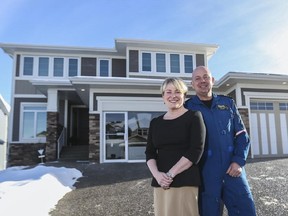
124,189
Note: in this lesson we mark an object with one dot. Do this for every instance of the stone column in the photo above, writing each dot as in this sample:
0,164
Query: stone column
52,136
94,137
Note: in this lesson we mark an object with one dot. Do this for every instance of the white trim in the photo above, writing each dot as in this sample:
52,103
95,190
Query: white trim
106,103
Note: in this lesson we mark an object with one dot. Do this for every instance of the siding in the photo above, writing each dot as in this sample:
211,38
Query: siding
88,66
133,61
118,67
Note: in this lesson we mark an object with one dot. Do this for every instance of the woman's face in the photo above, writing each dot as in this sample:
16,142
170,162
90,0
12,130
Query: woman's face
173,98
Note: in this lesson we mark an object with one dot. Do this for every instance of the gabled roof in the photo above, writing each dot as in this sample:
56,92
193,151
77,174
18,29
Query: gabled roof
4,106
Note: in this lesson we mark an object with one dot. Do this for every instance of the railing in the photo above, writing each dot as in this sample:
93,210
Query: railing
61,142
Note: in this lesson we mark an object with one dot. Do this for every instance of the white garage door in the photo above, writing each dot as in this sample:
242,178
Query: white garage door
269,128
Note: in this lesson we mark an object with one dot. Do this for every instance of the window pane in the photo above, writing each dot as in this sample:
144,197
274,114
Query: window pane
73,67
43,66
115,136
28,66
146,61
188,62
34,108
138,126
28,125
58,67
174,63
104,68
41,124
160,62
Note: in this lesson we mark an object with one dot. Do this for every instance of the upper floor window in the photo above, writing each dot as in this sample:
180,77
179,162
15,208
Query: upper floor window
34,118
43,68
188,63
174,63
58,67
28,66
104,68
164,62
160,62
146,62
73,67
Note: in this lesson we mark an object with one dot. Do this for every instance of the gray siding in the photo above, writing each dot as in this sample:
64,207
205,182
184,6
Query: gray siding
118,67
88,66
133,61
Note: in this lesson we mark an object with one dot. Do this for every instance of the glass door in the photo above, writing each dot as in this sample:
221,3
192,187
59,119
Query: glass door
115,136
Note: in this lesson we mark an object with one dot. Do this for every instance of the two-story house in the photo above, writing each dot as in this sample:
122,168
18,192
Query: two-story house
103,100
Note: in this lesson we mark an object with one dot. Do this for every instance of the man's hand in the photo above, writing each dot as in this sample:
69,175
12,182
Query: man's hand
234,170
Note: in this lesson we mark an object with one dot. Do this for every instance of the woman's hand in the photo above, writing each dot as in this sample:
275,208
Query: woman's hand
163,180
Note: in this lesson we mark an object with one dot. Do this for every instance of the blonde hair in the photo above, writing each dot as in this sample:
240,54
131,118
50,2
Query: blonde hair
177,82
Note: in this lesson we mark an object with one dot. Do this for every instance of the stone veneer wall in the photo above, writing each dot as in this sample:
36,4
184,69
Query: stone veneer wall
245,117
24,154
52,136
94,137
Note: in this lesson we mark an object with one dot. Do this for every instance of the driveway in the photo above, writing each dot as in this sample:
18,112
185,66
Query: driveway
124,189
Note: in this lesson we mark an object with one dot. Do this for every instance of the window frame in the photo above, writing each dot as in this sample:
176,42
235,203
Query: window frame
35,139
98,68
168,72
36,64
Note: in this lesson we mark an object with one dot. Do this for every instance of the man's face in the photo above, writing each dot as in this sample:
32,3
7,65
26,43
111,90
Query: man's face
202,82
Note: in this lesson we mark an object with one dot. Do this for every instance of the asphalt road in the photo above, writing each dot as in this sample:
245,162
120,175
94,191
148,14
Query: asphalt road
124,189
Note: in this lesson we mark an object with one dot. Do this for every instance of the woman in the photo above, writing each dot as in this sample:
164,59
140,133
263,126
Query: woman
174,147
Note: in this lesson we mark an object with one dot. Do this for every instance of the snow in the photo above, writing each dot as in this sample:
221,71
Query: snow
34,191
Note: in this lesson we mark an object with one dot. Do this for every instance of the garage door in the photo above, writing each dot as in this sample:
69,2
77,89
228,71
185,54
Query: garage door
269,128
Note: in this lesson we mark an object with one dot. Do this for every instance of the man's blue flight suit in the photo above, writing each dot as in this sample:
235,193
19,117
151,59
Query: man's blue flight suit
227,141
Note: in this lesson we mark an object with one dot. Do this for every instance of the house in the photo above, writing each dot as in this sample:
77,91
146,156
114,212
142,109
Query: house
104,99
4,114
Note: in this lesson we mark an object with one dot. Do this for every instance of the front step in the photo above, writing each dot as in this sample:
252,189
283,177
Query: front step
75,153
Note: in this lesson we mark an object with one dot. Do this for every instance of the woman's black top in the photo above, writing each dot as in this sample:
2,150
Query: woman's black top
169,140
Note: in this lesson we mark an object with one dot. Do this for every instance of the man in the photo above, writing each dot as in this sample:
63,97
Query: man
226,150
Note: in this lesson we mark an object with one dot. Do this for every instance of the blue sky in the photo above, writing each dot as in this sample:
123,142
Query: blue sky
251,34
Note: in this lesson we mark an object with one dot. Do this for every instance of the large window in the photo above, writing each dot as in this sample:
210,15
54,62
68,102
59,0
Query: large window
126,134
158,63
34,122
45,66
28,66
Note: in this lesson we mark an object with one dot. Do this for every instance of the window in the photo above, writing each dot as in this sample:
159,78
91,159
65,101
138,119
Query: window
260,105
28,66
283,106
43,68
34,122
73,67
188,63
146,62
104,68
58,67
160,62
174,63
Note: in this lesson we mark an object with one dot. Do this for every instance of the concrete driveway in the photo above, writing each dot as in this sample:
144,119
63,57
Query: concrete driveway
124,189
